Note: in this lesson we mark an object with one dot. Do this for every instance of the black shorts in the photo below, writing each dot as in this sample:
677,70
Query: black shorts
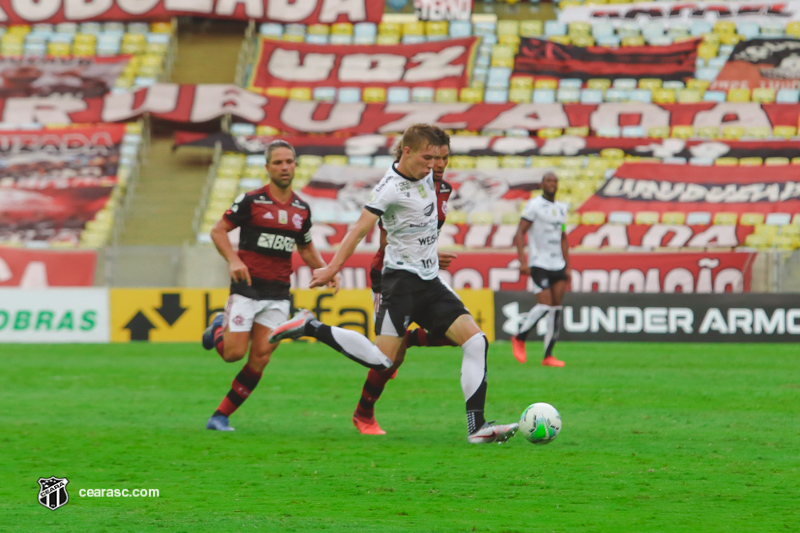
375,280
407,298
545,279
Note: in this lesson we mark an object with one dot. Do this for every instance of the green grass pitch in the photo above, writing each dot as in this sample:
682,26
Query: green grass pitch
656,437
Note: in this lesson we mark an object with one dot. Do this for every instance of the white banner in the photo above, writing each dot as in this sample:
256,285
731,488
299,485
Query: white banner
54,315
643,12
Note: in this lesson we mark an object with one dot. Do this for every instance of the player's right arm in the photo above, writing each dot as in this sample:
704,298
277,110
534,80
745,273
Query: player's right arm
355,234
236,268
519,242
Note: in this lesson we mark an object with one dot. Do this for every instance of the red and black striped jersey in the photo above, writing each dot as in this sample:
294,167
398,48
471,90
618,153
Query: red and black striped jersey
443,191
269,231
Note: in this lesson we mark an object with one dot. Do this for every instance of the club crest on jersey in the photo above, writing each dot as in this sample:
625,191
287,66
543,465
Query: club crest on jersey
283,217
428,209
297,220
444,207
53,492
422,192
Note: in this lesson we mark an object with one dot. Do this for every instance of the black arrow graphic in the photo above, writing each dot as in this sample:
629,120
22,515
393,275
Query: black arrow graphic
139,327
171,309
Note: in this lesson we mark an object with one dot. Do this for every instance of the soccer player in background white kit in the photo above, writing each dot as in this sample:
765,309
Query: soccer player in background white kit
547,262
411,291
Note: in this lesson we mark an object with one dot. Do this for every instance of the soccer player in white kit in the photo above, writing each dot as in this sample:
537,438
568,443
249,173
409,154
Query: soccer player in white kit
411,291
547,262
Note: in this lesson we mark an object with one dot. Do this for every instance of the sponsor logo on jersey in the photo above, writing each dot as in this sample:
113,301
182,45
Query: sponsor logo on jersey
276,242
262,200
422,192
297,220
428,209
283,217
298,204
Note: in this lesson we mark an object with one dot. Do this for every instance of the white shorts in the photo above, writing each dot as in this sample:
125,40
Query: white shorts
241,312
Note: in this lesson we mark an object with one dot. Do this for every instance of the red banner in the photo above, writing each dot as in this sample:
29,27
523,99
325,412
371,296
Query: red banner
548,59
83,77
33,269
475,145
431,64
634,237
284,11
606,273
659,187
761,63
202,103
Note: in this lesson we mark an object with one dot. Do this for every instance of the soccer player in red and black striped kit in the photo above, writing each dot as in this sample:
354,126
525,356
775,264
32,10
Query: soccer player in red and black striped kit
272,220
364,416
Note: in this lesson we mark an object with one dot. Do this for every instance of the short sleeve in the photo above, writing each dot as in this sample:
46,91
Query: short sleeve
382,197
239,213
528,212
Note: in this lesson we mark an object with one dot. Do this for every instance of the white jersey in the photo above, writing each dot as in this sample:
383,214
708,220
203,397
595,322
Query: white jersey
410,217
544,238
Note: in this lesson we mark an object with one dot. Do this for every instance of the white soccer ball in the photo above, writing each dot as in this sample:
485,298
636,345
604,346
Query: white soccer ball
540,423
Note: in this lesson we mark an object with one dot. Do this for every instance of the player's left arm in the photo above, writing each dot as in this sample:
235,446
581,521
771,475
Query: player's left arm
565,253
311,256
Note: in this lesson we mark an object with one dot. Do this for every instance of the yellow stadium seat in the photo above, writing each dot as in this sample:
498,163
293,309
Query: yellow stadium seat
725,26
549,133
658,132
513,161
730,39
646,218
708,132
544,83
795,161
508,27
446,95
531,28
675,218
793,28
791,229
763,229
689,96
612,153
520,96
751,219
487,162
683,132
318,29
335,159
560,39
481,218
436,28
650,84
785,242
579,28
751,162
342,28
462,162
593,218
784,131
277,92
573,218
738,95
470,95
414,28
456,216
267,131
579,131
700,85
598,83
726,162
763,95
509,40
725,219
664,96
374,95
732,132
389,28
300,93
387,38
756,241
520,82
776,161
511,217
707,51
633,40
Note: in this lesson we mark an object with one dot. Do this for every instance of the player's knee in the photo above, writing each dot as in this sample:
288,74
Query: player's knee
232,353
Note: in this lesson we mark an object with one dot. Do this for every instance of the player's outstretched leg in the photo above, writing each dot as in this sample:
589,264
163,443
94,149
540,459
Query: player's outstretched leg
212,336
473,385
364,416
353,345
550,338
531,319
242,386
